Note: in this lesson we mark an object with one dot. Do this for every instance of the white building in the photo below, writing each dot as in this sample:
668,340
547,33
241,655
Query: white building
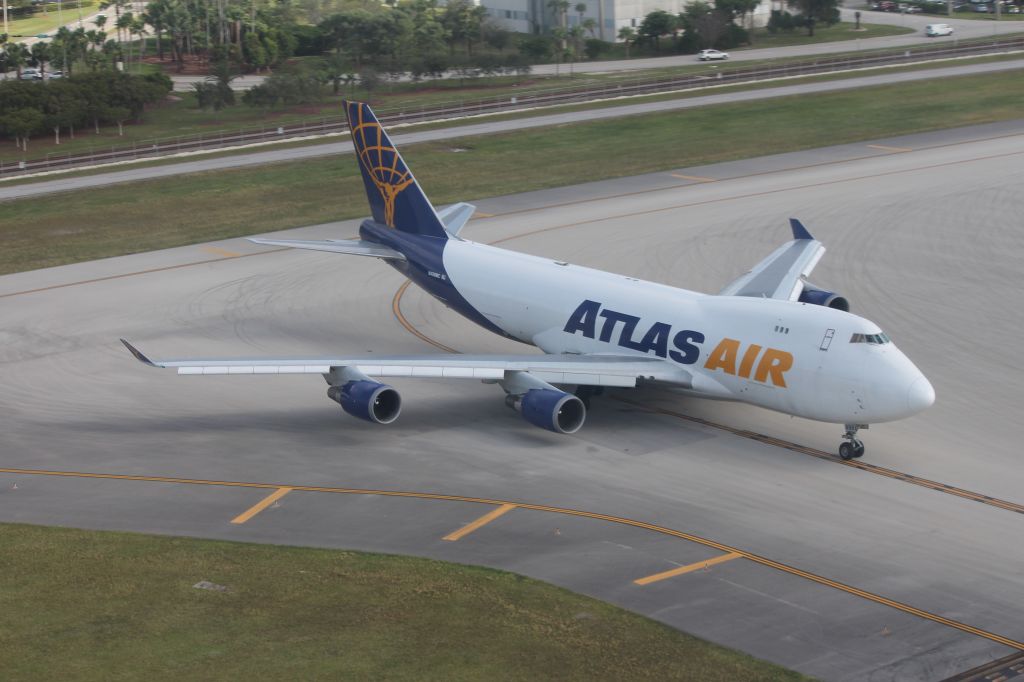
529,16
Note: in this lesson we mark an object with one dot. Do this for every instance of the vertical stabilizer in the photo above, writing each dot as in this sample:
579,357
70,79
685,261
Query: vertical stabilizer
396,199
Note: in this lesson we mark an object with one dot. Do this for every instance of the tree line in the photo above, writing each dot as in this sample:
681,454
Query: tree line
92,99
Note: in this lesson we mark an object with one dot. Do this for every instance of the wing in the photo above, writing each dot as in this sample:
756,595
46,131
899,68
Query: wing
356,247
781,275
585,370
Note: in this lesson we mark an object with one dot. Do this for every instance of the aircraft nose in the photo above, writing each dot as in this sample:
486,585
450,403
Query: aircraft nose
921,395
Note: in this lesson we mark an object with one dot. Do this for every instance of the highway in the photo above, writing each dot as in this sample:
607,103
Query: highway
485,127
726,521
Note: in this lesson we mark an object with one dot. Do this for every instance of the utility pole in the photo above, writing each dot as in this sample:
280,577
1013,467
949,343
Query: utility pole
7,32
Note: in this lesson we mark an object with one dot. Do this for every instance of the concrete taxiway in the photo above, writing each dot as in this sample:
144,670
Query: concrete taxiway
748,535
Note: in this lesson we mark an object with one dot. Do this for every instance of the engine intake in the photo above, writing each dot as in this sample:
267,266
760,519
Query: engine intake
369,400
824,298
550,409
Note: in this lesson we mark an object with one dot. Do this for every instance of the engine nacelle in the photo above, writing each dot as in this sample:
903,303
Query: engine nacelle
824,298
369,400
550,409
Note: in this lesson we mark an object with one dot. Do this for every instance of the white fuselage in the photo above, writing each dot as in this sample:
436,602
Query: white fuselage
788,356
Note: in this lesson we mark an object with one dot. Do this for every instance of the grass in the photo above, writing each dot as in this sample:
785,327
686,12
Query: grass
823,34
89,605
105,221
39,23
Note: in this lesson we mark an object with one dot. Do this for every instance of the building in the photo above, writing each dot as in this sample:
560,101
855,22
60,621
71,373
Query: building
534,16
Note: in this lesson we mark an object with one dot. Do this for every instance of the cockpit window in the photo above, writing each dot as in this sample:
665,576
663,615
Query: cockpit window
876,339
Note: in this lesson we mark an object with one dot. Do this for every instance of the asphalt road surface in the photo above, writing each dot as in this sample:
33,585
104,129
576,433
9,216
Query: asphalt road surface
859,571
61,184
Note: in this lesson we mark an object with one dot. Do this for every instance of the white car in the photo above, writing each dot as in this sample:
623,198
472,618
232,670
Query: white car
708,55
932,30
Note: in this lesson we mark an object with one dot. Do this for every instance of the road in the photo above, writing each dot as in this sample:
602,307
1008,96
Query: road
840,571
964,29
63,184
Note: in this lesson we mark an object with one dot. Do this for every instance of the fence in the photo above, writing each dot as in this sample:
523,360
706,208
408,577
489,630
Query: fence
223,139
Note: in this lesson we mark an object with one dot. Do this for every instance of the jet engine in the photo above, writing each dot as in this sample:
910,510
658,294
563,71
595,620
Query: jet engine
549,409
369,400
828,299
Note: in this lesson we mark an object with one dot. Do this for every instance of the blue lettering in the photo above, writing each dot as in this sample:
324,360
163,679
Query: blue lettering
656,339
584,319
628,325
686,343
687,352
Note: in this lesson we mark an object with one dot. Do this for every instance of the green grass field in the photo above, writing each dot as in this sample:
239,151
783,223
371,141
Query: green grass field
86,605
144,216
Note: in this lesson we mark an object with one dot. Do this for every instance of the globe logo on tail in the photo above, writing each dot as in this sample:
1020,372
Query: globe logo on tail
382,163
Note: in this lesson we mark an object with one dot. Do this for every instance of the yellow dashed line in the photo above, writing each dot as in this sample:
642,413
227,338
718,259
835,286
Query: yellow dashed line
764,561
884,148
482,521
261,505
221,252
687,569
478,214
691,177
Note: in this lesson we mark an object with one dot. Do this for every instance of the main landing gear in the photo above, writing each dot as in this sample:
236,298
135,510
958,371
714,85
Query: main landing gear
854,448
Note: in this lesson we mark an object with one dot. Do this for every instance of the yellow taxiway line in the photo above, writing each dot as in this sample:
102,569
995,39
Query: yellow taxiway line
261,505
482,521
885,148
633,523
688,569
691,177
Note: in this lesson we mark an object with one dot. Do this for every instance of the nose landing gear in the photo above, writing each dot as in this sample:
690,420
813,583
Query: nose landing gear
854,448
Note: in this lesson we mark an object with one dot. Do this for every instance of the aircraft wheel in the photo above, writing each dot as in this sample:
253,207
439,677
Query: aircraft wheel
858,448
846,452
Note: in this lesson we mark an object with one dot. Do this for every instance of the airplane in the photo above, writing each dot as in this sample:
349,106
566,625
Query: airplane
770,338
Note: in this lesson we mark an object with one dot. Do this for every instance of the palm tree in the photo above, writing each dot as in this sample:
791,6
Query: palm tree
40,54
139,28
561,10
627,35
581,9
17,56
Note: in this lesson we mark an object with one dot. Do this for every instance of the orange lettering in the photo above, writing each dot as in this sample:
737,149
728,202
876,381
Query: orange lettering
724,356
747,363
774,363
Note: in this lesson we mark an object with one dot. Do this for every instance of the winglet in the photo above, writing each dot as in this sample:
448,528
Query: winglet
799,231
138,354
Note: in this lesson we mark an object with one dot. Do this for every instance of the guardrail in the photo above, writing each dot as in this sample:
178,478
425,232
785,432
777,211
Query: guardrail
149,149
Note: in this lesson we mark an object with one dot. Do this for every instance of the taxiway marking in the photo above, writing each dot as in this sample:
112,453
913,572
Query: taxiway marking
220,252
139,272
261,505
482,521
886,148
688,568
691,177
727,549
820,454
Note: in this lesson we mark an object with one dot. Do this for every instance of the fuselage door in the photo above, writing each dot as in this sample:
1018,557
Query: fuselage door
826,341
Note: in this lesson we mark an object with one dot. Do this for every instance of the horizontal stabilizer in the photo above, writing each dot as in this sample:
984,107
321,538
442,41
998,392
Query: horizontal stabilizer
456,216
355,247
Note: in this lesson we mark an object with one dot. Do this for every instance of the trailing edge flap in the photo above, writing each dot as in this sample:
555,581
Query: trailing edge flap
356,247
456,216
588,370
781,275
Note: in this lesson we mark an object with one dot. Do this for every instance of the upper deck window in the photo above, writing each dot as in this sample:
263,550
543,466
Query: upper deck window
876,339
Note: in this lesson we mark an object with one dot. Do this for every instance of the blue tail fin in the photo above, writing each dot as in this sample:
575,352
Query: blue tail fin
396,200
